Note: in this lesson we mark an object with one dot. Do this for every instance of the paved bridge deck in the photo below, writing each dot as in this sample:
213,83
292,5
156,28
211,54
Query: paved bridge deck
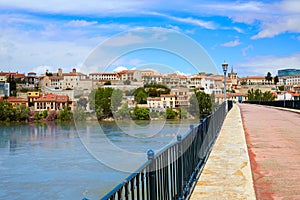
273,138
273,141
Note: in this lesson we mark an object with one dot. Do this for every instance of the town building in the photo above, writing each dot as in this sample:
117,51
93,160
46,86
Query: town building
288,72
32,96
253,80
4,89
52,102
182,96
15,101
106,76
132,75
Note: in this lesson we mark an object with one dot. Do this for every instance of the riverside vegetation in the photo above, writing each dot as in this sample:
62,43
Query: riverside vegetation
107,104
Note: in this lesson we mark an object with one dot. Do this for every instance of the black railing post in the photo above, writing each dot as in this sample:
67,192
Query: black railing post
150,155
179,169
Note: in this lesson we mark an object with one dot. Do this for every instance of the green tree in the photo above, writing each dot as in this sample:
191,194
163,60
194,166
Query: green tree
123,112
268,96
65,114
276,80
281,87
79,114
82,102
104,101
183,114
141,113
127,82
12,85
200,104
116,99
92,96
170,113
140,96
9,113
45,114
269,77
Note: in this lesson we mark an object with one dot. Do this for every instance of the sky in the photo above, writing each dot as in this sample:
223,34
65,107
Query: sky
253,37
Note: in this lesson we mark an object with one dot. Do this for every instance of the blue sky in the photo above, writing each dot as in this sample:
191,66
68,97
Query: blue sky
252,36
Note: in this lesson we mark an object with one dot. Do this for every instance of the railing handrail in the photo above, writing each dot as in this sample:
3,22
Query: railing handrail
147,164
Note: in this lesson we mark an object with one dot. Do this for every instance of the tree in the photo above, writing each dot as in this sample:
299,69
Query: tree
127,82
116,99
12,85
82,102
51,116
170,113
183,114
269,77
268,96
140,96
257,95
141,113
9,113
200,104
104,101
79,114
65,114
281,87
123,112
276,80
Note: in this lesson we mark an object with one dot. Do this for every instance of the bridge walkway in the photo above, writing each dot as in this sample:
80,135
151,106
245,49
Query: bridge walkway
227,173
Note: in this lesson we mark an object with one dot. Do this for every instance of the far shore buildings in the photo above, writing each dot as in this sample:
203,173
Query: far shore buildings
58,89
52,102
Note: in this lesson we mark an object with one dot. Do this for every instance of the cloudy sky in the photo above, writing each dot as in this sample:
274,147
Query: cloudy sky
252,36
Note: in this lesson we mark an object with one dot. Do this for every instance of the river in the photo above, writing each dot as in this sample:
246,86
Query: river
76,160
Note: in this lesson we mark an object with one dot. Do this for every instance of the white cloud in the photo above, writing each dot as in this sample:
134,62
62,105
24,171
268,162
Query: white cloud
260,65
125,40
120,68
278,26
244,50
75,6
187,20
233,43
239,30
81,23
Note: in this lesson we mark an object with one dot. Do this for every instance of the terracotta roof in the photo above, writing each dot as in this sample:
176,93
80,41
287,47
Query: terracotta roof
16,100
53,98
167,95
106,73
153,99
197,76
47,98
253,77
15,74
31,73
126,71
62,98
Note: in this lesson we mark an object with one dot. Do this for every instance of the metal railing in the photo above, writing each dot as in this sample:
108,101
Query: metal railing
172,173
281,103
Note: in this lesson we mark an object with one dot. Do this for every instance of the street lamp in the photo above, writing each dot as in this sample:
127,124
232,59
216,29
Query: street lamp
284,82
224,66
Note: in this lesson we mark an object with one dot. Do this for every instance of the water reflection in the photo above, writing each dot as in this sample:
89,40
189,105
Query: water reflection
49,160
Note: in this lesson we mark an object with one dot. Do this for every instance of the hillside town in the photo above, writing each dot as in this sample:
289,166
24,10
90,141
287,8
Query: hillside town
55,90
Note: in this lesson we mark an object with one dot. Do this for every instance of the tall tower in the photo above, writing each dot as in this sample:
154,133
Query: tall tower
233,77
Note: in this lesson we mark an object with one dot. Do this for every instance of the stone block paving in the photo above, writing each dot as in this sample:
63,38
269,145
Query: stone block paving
227,173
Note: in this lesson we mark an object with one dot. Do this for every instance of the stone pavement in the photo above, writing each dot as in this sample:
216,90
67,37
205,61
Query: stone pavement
227,173
273,138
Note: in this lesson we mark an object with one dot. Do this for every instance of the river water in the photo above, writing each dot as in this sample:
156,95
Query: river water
76,160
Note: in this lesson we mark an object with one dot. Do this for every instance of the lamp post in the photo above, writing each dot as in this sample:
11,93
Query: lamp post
225,66
284,82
